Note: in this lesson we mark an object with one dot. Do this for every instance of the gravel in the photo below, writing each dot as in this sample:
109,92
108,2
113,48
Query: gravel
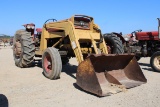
27,87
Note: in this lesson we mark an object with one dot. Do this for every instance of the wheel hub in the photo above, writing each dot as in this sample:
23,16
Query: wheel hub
157,62
47,63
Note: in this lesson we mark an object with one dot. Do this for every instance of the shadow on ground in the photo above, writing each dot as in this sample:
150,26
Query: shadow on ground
70,70
3,101
37,63
144,64
80,89
148,69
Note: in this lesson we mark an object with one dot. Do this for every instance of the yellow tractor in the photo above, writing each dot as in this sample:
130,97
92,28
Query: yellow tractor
98,72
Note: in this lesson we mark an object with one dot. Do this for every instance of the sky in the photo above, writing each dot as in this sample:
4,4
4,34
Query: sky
111,15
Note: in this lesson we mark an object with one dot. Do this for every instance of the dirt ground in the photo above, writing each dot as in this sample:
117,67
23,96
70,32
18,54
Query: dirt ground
28,87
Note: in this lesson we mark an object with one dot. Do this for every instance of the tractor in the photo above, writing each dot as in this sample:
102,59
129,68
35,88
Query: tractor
98,72
142,44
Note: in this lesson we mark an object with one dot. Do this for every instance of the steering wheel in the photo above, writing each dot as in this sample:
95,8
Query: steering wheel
54,20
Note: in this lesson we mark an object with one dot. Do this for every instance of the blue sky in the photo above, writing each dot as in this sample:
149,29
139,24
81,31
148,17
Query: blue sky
111,15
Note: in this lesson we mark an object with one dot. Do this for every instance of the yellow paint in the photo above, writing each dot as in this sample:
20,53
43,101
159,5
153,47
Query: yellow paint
66,28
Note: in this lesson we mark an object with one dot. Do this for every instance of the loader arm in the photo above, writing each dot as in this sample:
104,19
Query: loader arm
74,35
68,28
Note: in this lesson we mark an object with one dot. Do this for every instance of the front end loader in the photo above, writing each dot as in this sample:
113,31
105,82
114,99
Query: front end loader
98,72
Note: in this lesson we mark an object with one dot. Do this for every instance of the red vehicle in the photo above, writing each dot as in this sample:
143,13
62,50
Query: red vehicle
143,44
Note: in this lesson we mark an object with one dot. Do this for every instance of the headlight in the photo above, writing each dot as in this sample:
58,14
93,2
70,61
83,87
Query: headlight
28,26
32,27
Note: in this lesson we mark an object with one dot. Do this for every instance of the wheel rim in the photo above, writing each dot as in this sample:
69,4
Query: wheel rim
157,62
47,63
17,50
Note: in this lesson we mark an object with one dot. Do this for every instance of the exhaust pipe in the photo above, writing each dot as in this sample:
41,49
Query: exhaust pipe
158,28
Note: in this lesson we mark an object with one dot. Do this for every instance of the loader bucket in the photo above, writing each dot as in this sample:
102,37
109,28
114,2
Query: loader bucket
109,74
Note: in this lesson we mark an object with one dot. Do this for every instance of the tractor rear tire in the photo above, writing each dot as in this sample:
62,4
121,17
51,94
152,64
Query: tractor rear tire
155,61
51,63
23,49
114,43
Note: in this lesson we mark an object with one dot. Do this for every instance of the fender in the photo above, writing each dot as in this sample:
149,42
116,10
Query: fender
118,35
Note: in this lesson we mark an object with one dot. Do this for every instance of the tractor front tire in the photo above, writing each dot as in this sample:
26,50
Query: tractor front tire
155,61
23,49
51,63
113,43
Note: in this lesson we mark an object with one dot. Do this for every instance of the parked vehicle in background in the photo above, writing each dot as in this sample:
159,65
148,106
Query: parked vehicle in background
142,44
